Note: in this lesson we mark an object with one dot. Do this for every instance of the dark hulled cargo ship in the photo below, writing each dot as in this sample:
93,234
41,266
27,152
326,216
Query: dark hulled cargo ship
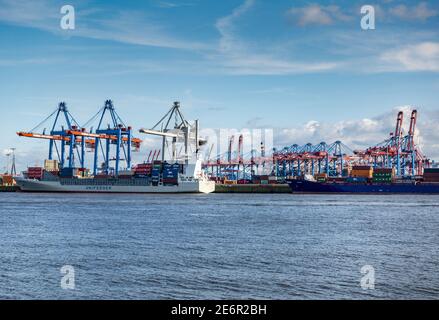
368,180
306,186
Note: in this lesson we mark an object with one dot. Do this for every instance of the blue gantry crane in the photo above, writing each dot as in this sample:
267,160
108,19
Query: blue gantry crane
66,136
61,137
115,134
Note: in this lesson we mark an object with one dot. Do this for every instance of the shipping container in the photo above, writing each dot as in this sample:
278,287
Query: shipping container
363,167
51,165
429,174
336,179
361,171
384,170
361,174
68,172
170,181
35,173
144,165
170,175
382,180
356,179
431,179
7,180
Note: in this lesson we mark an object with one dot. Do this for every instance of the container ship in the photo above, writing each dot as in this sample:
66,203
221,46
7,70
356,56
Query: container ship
366,180
182,173
157,177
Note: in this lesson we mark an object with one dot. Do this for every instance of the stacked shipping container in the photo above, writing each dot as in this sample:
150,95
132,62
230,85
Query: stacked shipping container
143,170
156,172
7,180
170,174
35,173
69,172
431,175
362,172
321,177
383,175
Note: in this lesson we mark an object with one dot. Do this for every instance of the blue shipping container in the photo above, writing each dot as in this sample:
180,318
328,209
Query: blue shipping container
356,179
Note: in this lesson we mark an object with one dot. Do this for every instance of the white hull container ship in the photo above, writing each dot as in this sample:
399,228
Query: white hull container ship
191,183
181,173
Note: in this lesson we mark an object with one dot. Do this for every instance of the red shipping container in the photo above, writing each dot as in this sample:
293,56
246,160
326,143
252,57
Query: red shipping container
361,167
144,166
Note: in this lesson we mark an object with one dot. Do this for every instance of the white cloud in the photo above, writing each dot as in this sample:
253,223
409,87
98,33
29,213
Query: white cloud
232,54
35,14
419,57
171,5
419,12
238,58
226,26
267,65
125,26
317,15
30,61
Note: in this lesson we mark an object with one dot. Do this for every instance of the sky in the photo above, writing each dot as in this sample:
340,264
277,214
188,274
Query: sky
304,68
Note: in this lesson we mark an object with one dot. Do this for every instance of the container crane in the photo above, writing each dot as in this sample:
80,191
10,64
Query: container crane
71,136
116,134
61,133
181,132
399,151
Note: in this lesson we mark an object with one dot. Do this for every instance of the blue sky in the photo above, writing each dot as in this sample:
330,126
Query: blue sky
233,64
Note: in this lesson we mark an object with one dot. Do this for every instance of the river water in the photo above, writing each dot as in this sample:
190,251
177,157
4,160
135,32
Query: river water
219,246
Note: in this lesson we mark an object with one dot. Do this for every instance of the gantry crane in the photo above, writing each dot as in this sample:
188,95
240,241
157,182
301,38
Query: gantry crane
181,132
113,133
399,151
61,133
235,164
72,136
